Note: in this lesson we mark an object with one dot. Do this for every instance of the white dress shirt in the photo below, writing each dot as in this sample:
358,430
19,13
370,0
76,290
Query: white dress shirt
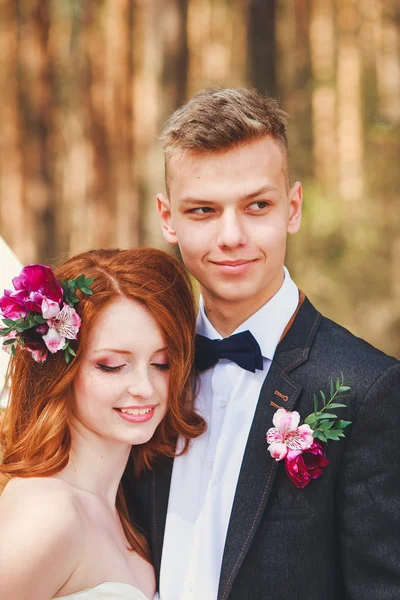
204,480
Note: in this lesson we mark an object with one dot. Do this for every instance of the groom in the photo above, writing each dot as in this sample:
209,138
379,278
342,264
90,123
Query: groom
227,520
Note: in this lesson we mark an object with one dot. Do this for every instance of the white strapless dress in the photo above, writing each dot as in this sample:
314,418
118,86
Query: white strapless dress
110,590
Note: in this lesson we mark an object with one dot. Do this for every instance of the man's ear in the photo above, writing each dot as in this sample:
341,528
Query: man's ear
164,210
295,206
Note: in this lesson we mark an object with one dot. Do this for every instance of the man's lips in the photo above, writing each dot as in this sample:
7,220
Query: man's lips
234,267
233,263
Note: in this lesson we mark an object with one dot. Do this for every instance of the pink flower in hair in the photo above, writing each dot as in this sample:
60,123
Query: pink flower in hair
38,355
63,326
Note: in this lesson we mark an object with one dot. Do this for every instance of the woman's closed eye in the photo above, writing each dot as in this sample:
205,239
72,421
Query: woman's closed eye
108,369
162,366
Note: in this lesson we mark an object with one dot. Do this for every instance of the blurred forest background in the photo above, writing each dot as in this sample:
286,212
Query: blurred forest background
87,84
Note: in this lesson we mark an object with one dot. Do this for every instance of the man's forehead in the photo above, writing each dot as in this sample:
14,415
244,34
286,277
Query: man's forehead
261,157
266,142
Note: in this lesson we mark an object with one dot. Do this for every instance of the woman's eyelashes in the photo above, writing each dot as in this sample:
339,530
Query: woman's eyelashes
162,366
108,369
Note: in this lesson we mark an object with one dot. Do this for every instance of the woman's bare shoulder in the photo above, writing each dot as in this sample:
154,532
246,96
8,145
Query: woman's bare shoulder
37,484
42,494
40,522
40,504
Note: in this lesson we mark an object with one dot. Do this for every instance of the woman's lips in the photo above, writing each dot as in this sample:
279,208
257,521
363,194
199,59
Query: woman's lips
136,414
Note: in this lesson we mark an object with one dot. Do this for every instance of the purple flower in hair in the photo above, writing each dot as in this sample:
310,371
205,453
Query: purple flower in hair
32,286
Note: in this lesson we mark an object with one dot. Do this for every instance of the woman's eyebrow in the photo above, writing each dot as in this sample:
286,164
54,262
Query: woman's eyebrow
119,351
115,350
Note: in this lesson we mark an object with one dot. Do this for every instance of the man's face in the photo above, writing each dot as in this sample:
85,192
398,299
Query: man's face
230,213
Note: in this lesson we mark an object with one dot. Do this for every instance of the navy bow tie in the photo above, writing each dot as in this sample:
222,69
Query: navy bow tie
241,348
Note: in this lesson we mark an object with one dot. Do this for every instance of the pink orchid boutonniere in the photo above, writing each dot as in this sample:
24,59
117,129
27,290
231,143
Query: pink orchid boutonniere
302,447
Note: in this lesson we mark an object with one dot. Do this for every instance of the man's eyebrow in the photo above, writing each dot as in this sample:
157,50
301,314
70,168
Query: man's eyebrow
189,200
262,190
195,201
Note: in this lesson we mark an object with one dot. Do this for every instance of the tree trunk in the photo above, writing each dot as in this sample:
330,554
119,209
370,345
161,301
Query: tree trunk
12,211
350,132
261,44
322,45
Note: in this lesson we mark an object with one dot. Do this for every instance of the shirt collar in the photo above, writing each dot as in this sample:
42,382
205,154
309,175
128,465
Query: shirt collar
267,324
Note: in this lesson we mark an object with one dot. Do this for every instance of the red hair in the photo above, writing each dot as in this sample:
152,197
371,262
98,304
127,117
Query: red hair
36,437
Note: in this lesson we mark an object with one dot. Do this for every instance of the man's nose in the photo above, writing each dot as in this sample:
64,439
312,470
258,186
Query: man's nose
231,231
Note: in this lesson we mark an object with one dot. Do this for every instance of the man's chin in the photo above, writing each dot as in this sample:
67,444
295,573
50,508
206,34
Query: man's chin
233,293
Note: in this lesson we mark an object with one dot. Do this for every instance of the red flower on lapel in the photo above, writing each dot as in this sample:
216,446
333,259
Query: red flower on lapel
309,464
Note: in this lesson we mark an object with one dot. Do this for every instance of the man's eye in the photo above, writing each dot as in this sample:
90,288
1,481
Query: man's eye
259,205
107,369
203,210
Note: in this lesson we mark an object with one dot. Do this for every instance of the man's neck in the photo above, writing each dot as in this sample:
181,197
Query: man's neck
226,316
222,318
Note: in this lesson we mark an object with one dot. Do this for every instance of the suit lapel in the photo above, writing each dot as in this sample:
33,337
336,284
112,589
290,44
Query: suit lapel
258,469
159,491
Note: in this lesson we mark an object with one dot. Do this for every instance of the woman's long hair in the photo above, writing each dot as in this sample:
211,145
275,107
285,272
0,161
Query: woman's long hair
35,437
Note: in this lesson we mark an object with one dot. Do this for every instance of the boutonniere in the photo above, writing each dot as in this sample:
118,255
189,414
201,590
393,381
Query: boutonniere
302,447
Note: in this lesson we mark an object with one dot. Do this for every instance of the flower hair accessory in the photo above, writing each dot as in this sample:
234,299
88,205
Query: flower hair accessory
302,447
39,315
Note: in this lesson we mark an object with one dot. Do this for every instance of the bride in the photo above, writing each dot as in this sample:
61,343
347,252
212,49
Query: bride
100,387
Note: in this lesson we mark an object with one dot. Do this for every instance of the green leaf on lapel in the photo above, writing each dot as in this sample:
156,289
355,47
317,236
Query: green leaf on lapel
315,403
342,424
326,425
333,435
311,420
326,416
318,435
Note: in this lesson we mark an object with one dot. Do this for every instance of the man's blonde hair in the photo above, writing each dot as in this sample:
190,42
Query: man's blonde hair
216,120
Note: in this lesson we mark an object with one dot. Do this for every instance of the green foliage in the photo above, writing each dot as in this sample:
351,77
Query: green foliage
326,425
22,324
70,288
68,353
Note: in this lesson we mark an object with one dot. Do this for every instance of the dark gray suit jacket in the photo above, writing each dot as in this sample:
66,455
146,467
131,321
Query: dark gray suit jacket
339,537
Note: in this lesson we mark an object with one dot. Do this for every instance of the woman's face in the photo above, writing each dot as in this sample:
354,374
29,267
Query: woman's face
121,388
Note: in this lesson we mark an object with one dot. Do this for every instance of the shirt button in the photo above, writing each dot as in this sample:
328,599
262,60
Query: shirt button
222,403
